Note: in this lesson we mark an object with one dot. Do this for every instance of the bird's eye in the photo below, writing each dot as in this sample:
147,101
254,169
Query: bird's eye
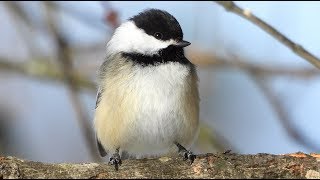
158,35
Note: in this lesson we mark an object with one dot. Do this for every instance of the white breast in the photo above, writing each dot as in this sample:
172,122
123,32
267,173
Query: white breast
160,116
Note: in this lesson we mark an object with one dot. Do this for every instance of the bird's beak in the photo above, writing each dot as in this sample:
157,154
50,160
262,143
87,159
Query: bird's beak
182,44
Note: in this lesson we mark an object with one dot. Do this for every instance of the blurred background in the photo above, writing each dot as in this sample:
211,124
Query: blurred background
257,96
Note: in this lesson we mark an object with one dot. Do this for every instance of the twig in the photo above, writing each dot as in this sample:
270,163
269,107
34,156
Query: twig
66,67
41,68
296,48
21,19
44,70
110,15
212,61
18,12
283,116
85,19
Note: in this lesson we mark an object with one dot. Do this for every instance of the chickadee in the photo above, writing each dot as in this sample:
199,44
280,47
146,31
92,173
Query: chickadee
147,102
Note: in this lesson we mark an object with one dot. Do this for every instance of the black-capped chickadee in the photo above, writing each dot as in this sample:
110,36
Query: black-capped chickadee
147,102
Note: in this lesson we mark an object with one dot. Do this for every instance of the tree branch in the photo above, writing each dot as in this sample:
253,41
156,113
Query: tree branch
209,59
44,70
66,66
282,114
204,166
296,48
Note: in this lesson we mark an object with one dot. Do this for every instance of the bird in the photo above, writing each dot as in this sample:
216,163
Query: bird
147,102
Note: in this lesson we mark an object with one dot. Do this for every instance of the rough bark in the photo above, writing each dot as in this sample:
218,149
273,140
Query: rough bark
205,166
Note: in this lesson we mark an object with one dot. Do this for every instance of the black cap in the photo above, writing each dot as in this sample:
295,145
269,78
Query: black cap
158,23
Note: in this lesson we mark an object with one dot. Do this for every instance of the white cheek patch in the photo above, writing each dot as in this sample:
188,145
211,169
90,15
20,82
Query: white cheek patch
129,38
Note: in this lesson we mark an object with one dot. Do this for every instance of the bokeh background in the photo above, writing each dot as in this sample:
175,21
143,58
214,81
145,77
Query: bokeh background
257,96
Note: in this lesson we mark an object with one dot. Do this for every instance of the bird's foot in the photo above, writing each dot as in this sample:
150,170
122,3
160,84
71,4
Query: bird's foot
187,155
115,160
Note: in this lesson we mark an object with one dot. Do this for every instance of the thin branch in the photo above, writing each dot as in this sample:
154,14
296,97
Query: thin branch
22,20
65,62
19,12
111,16
213,61
282,114
83,18
257,76
296,48
42,69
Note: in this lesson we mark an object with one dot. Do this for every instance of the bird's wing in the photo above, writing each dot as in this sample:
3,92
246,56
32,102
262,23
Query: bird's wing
102,151
99,96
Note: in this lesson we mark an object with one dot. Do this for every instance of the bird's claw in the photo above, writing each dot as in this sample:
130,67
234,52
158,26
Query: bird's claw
187,155
115,160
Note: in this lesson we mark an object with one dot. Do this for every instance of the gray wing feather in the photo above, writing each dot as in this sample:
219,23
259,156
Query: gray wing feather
99,96
102,151
102,72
